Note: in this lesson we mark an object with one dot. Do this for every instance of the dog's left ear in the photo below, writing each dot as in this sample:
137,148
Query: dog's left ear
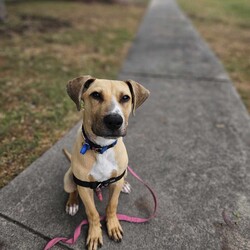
139,94
76,87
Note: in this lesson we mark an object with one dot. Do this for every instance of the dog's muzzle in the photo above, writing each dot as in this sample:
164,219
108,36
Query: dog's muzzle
113,121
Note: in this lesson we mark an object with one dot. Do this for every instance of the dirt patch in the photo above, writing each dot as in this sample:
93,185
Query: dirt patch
34,23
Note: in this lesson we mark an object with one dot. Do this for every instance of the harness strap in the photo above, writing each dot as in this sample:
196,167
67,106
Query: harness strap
121,217
97,184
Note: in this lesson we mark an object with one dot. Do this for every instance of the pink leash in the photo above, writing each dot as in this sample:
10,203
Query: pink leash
121,217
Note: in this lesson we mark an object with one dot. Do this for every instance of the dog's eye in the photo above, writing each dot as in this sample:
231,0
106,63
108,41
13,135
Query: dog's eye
125,98
96,96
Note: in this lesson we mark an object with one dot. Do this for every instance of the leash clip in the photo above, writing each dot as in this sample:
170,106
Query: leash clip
103,185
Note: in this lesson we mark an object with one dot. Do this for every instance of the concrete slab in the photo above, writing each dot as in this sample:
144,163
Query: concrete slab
190,141
194,146
168,45
13,236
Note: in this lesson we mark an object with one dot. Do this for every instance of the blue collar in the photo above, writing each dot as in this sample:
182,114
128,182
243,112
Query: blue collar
88,144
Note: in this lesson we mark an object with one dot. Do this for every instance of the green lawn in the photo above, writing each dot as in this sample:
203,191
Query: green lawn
225,24
43,45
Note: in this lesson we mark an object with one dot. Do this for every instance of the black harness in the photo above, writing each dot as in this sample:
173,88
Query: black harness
97,184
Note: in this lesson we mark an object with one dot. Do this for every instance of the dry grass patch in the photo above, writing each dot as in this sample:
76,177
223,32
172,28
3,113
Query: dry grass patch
43,45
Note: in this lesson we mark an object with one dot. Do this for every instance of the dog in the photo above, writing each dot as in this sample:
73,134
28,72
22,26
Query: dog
99,157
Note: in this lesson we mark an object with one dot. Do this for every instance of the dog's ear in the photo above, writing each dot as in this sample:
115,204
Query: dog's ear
77,86
139,94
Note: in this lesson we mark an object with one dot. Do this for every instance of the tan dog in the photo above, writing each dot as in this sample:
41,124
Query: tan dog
107,106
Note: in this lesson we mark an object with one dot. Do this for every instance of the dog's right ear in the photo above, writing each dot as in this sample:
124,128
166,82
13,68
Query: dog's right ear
77,86
139,94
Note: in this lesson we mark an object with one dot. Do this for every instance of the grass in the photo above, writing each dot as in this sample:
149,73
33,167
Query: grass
43,45
226,27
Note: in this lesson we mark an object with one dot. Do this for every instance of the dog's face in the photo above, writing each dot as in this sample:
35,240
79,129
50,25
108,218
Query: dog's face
107,107
107,103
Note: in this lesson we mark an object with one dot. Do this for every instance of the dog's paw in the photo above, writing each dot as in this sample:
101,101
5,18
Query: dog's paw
72,209
126,188
115,231
94,239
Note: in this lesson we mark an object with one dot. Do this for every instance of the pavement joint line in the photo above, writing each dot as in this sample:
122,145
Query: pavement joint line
176,77
32,230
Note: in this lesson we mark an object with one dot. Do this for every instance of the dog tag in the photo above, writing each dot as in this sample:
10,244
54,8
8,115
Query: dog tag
85,148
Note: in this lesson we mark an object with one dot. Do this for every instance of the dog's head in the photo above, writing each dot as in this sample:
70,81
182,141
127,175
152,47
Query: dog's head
107,104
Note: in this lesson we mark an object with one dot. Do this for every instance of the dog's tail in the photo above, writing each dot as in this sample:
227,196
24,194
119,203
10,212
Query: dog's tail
67,154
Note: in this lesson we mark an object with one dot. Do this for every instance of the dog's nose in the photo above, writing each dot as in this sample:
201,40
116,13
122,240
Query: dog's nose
113,121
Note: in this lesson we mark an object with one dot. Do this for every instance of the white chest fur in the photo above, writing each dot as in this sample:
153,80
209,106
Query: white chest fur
104,165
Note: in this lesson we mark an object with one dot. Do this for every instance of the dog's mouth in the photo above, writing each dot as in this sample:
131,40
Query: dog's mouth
109,134
113,136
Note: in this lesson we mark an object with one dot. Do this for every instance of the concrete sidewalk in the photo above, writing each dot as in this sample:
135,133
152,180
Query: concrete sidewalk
190,141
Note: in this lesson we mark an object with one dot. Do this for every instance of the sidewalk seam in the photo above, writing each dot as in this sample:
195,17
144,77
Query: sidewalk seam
31,230
176,77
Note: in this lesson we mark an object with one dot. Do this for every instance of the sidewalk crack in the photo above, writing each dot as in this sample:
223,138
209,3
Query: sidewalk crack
32,230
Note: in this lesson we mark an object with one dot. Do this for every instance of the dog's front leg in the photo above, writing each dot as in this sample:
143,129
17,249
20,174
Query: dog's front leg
94,238
114,228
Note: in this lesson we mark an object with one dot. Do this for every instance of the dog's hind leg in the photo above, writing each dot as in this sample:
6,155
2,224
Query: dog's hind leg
72,204
126,188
